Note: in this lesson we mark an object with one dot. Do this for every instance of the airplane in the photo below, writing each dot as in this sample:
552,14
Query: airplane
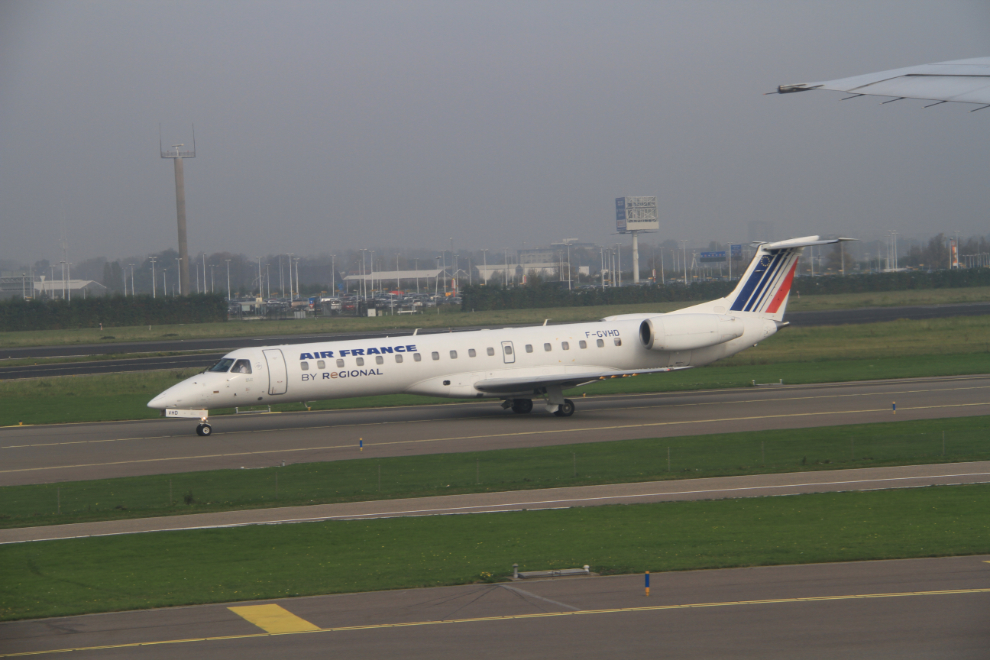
515,365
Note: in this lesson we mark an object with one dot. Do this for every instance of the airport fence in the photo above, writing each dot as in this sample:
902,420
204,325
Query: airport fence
552,294
370,477
18,314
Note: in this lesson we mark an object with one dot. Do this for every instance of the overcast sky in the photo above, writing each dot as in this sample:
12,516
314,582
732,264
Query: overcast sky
322,126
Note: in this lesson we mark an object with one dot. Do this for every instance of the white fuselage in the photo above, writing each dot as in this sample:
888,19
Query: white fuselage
446,365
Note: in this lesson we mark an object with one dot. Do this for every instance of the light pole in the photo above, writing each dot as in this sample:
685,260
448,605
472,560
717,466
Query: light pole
154,284
132,279
178,269
333,275
164,282
684,259
228,279
291,290
505,271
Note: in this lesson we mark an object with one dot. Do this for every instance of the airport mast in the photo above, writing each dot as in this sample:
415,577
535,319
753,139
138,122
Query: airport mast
180,205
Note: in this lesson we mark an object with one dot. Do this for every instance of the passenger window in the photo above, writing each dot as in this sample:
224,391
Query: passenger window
618,342
417,357
360,362
564,345
320,364
529,348
379,359
583,344
453,355
435,355
398,358
340,364
304,366
547,347
508,350
601,343
472,353
491,351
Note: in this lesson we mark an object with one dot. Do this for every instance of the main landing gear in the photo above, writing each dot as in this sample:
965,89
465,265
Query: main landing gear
566,409
522,406
204,429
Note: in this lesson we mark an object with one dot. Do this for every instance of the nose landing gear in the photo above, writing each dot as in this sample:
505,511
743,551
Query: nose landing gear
204,429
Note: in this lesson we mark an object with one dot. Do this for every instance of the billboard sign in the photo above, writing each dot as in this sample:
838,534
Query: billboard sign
736,251
712,257
636,214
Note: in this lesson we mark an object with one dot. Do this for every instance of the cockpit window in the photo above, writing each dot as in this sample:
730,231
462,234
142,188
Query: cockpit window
241,367
222,365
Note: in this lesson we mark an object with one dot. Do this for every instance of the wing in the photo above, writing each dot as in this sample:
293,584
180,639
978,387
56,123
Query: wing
958,81
564,380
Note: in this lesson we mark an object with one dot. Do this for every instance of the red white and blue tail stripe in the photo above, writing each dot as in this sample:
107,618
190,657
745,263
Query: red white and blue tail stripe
766,285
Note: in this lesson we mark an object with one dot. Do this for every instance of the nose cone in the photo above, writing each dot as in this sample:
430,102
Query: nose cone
173,397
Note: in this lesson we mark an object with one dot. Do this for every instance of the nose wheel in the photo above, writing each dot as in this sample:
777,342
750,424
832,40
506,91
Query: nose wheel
566,409
204,429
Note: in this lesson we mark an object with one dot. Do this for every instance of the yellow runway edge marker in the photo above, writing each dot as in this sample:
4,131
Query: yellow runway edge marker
273,618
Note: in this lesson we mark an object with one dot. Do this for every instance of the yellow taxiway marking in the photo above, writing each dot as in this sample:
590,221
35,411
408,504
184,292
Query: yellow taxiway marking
273,619
509,617
616,427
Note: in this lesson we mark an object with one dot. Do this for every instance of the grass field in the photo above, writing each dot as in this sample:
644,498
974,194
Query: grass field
456,318
60,578
826,448
898,349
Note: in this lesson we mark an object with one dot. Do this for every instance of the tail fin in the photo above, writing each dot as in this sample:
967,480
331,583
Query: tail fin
766,285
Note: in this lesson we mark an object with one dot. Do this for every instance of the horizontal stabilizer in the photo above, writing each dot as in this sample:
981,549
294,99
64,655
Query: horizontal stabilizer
807,241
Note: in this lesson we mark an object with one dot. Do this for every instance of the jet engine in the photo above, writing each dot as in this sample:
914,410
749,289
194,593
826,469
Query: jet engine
685,332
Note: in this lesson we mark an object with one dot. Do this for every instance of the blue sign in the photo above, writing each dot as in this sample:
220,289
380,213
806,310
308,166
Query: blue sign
712,257
736,250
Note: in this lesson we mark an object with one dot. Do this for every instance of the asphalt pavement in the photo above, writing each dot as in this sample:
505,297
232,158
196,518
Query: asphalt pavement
680,490
47,454
900,609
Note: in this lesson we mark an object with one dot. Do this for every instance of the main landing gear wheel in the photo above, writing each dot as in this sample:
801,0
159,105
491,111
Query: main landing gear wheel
206,429
522,406
566,409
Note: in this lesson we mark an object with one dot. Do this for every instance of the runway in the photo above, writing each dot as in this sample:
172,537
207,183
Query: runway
47,454
220,346
679,490
916,608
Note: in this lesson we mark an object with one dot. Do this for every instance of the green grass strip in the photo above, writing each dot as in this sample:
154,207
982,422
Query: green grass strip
61,578
623,461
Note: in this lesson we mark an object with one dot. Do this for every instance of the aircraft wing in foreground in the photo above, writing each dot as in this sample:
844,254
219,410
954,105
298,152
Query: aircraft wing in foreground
957,81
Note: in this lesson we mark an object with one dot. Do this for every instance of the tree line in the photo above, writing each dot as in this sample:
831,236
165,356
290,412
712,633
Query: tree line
17,314
551,294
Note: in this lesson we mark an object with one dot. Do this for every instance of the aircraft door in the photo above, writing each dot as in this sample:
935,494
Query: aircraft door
508,352
277,377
